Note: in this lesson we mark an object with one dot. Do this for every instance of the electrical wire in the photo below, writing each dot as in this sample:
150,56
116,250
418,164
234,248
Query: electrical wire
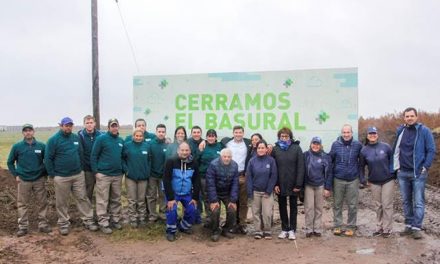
128,37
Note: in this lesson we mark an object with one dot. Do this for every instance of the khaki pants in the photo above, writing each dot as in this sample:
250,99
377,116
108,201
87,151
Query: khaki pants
90,184
242,200
136,191
25,189
74,184
108,196
383,196
313,203
155,195
262,209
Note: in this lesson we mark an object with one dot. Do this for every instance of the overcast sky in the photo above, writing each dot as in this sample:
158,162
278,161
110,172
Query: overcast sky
45,49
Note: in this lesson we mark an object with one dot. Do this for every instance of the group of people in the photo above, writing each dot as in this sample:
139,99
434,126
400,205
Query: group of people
206,174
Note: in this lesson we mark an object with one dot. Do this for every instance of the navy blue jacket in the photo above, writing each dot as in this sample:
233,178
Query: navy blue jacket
378,158
424,149
222,181
261,175
318,168
345,161
87,140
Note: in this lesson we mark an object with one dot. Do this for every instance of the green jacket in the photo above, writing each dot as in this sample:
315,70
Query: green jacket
26,160
159,150
147,137
210,152
136,160
106,157
63,155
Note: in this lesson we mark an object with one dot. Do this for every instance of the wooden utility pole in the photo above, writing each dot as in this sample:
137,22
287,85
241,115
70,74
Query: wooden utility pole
95,65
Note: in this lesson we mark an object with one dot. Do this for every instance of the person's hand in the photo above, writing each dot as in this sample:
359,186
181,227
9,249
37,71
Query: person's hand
277,189
170,204
269,149
327,193
202,145
17,179
168,140
296,190
233,206
214,206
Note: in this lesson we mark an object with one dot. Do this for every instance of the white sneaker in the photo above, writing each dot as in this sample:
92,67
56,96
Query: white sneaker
283,235
291,235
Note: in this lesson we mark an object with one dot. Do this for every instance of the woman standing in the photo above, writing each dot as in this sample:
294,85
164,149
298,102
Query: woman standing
179,136
318,166
137,165
377,157
261,177
290,163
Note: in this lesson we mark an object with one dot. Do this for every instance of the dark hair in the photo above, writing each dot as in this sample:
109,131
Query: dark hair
261,142
258,135
196,127
211,132
285,130
138,120
161,126
179,128
237,127
409,109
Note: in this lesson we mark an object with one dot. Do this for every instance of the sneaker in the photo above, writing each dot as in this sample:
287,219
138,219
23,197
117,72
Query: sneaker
267,235
242,229
171,237
348,233
106,230
317,234
258,236
310,234
407,231
337,231
117,225
215,237
417,234
291,235
378,233
92,227
64,231
22,232
152,219
386,234
186,231
227,234
283,235
45,229
134,224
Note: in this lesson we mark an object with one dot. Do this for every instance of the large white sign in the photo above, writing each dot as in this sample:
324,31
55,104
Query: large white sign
310,102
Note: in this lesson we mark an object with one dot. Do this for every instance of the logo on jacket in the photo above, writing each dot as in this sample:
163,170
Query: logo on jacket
75,143
38,151
144,152
120,144
267,166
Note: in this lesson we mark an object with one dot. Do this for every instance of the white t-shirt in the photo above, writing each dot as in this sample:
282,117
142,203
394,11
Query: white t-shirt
239,153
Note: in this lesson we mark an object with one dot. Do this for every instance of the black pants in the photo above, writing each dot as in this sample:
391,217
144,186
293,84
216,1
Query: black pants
230,216
288,222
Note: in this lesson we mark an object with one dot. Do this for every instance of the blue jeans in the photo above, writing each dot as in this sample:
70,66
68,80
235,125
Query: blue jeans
188,215
412,190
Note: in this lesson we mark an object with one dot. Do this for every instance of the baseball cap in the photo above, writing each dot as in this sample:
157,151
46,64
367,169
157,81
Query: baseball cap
371,130
316,140
27,126
112,121
66,120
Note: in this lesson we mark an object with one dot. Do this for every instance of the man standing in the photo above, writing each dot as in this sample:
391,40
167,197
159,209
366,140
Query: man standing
154,189
106,162
141,124
240,148
182,184
87,137
63,156
345,154
25,162
194,142
414,151
222,187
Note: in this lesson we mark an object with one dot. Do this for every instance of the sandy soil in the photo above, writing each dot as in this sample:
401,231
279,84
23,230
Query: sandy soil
86,247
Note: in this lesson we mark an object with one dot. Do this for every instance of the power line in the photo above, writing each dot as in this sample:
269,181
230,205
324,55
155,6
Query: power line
128,37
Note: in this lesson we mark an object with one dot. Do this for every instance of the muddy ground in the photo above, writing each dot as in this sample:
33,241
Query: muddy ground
82,246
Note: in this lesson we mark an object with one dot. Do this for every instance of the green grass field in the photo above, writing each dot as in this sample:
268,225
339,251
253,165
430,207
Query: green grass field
7,139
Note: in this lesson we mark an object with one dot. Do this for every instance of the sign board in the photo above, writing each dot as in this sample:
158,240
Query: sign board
310,102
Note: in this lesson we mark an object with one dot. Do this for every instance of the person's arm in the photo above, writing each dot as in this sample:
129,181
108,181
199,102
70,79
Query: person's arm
167,177
196,183
210,184
249,180
49,156
12,158
125,159
273,177
362,164
300,168
234,186
96,151
429,149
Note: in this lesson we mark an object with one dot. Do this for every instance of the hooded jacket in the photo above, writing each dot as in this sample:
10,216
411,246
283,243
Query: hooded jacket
424,149
181,177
